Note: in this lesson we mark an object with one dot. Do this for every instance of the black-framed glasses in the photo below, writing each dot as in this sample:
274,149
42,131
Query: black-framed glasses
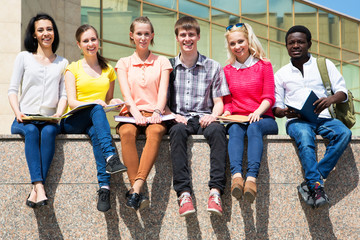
228,28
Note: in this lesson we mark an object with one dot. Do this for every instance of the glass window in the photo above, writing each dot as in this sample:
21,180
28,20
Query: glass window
204,42
117,19
278,55
329,31
306,15
164,33
223,18
264,44
194,9
279,10
255,10
349,35
277,35
350,57
230,6
168,3
203,1
218,44
90,13
330,51
259,29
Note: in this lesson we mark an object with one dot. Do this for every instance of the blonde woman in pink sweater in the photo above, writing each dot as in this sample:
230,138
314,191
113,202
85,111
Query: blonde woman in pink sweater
251,83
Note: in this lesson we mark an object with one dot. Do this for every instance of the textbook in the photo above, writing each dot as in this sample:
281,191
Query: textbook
306,110
132,119
108,108
234,118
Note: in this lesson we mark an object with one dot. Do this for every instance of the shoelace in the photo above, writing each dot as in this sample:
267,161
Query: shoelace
216,198
184,199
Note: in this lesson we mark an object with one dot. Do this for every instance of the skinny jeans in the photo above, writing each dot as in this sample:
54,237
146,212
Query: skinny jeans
93,121
255,133
39,146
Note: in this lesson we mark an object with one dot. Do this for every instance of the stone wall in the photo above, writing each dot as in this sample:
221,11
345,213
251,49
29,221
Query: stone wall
277,213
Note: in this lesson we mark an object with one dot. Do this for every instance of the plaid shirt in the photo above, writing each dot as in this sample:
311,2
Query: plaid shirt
192,90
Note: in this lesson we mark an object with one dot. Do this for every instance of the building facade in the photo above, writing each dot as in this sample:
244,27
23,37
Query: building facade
335,36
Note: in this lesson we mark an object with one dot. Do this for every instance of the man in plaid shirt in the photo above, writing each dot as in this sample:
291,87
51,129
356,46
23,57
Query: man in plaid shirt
196,88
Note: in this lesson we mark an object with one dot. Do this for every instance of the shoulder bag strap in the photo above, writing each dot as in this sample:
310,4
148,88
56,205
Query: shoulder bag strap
321,63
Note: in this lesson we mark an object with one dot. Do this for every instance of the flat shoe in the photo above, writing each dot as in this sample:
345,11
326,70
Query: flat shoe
250,191
42,203
29,203
237,187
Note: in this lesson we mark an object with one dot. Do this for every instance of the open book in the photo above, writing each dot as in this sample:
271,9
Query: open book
108,108
306,109
132,119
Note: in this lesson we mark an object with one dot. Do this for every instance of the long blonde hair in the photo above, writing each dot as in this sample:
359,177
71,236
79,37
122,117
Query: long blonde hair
255,47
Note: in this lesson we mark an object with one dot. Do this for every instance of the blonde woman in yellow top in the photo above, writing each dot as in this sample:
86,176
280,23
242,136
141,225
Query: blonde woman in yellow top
91,80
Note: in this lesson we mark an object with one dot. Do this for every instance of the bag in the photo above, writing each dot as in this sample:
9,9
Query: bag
343,111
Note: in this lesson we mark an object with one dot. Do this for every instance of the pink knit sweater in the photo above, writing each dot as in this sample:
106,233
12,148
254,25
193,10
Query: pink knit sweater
249,87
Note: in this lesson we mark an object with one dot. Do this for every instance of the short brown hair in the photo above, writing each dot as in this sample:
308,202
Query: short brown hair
142,19
187,23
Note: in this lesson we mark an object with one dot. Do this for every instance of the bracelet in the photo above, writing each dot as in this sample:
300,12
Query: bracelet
158,111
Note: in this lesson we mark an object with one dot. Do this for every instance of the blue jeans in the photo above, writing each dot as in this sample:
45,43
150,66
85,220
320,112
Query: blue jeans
39,146
93,121
254,132
304,134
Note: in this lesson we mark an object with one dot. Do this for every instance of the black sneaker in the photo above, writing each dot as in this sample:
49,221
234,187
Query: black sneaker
114,165
133,201
320,197
104,200
306,193
144,201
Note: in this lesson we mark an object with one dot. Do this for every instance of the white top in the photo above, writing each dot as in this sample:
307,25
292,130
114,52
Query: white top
250,61
292,88
42,86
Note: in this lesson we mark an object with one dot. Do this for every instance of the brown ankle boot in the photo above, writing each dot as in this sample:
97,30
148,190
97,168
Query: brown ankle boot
250,191
237,187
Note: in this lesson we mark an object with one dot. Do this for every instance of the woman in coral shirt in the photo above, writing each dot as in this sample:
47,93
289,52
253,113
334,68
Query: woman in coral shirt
144,80
251,83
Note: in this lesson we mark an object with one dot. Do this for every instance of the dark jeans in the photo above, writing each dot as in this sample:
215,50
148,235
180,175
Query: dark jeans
39,146
215,135
93,121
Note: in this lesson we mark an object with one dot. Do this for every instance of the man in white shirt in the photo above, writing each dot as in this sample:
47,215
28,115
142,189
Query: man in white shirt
302,75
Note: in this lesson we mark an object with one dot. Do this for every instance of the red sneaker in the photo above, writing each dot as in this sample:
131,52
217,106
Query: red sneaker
186,206
214,204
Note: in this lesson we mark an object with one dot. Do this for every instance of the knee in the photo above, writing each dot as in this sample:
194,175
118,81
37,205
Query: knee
156,130
178,131
345,134
127,131
50,130
31,129
215,130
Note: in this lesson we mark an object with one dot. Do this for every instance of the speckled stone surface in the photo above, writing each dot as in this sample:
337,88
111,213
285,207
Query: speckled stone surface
277,213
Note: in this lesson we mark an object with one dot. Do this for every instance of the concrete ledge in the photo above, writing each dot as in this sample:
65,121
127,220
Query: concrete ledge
277,213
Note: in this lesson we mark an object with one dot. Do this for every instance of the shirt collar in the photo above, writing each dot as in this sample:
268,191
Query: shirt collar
200,61
137,61
250,61
311,59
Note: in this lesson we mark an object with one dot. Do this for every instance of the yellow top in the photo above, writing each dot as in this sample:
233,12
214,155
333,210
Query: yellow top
88,88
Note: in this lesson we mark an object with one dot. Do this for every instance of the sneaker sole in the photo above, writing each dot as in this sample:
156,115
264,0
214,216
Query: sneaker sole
237,193
249,197
322,204
185,214
144,204
304,195
118,171
131,208
214,211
